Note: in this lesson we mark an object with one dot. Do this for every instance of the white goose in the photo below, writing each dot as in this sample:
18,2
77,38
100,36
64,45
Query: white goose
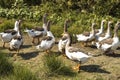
87,37
16,42
7,35
98,32
62,41
75,54
47,41
108,33
38,32
111,43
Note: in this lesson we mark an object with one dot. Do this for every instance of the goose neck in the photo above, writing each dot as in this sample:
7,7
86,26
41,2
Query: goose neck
108,29
16,27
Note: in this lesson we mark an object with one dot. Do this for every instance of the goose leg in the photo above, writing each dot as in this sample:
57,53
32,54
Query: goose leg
4,45
38,40
77,67
33,40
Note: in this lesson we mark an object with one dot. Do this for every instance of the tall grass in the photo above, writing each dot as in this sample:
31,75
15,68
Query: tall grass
54,66
22,73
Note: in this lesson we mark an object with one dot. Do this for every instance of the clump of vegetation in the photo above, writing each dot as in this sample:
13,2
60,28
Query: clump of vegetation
6,67
22,73
55,66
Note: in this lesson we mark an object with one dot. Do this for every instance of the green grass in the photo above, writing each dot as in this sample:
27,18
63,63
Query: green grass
55,66
10,71
6,67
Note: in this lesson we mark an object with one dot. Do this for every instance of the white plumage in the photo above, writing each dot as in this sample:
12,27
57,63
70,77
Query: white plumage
47,41
7,35
16,42
62,41
75,54
110,43
100,31
38,32
108,33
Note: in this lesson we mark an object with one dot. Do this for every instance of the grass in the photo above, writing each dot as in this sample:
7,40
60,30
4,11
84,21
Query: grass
10,71
55,66
6,67
22,73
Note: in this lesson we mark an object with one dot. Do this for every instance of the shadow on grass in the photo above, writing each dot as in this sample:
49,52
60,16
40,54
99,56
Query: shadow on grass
25,46
29,55
113,55
93,68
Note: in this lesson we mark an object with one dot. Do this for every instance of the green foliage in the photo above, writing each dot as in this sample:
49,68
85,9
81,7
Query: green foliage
7,25
6,3
10,71
6,67
22,73
55,66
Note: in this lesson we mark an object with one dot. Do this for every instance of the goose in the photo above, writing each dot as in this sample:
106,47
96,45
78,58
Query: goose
7,35
38,32
98,32
108,33
48,41
110,44
87,37
62,41
76,54
16,42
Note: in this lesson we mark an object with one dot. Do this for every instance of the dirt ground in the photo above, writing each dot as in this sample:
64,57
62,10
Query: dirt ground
102,68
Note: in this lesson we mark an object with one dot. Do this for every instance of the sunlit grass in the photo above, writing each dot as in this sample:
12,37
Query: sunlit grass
54,66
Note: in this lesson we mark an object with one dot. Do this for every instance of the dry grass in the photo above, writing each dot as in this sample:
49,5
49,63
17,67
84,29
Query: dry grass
103,67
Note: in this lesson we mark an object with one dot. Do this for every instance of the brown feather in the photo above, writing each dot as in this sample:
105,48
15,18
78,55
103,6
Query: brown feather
107,41
72,49
64,37
48,38
39,29
102,35
96,31
10,31
86,33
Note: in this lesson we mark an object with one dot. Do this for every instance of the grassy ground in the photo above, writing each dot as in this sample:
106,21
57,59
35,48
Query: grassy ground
103,67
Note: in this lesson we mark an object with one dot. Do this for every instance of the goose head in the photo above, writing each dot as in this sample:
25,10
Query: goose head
103,21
